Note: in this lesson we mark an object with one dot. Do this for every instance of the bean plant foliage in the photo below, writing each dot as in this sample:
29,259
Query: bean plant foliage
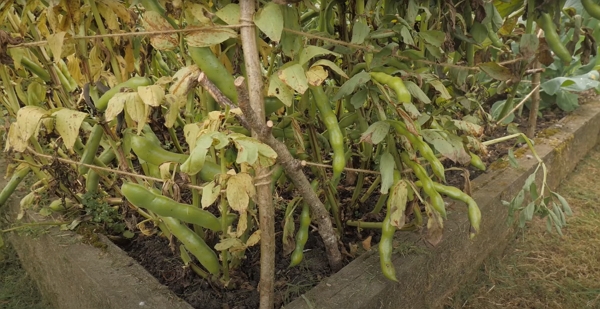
144,106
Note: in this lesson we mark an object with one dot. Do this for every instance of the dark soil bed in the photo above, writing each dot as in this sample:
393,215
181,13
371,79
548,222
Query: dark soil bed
156,255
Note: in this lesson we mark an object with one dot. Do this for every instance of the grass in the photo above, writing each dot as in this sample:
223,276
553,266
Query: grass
17,290
541,269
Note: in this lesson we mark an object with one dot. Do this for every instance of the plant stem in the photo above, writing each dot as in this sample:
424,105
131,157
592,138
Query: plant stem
535,102
266,211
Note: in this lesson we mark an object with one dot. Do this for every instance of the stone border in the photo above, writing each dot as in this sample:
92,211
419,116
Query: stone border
429,275
72,275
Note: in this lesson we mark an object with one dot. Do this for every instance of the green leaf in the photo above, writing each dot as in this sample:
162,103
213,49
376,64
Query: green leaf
230,14
497,109
294,77
68,123
313,51
564,203
529,210
247,150
359,98
479,32
269,20
496,71
350,85
449,145
417,92
360,31
433,37
575,83
518,200
279,89
530,180
387,165
195,162
376,132
567,101
383,56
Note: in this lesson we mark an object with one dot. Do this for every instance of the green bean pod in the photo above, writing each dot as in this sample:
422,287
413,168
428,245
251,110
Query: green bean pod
417,141
216,72
476,162
457,194
336,139
591,8
395,83
386,244
91,147
553,39
163,206
301,236
35,69
194,244
436,199
12,184
132,83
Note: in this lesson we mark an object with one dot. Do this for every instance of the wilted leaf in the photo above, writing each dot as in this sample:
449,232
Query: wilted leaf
280,90
174,103
289,227
312,51
152,95
331,65
444,94
397,199
253,239
387,165
294,77
153,21
184,80
366,244
496,71
269,20
230,14
529,44
210,36
435,226
316,75
28,120
469,127
210,193
376,132
242,225
116,104
229,243
56,41
68,123
350,85
239,190
137,110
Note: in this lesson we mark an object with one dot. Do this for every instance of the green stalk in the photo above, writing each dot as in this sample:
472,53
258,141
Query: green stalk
470,47
13,101
224,210
12,184
372,188
113,60
380,202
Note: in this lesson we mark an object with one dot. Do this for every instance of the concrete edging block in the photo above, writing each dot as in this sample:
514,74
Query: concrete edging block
430,275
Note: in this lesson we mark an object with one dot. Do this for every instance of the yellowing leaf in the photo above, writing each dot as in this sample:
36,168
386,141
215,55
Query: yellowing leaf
230,14
210,193
174,103
68,123
312,51
270,21
14,140
119,9
228,243
109,16
56,43
280,90
137,110
184,80
316,75
152,95
194,13
210,36
28,120
153,21
116,104
331,65
294,77
242,224
397,203
253,239
191,132
239,190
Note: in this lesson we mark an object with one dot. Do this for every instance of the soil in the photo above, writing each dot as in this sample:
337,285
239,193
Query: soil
162,260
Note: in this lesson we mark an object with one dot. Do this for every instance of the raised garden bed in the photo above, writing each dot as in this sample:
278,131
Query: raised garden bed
75,275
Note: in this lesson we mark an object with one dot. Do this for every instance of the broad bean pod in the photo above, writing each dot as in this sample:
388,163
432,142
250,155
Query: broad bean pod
436,199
